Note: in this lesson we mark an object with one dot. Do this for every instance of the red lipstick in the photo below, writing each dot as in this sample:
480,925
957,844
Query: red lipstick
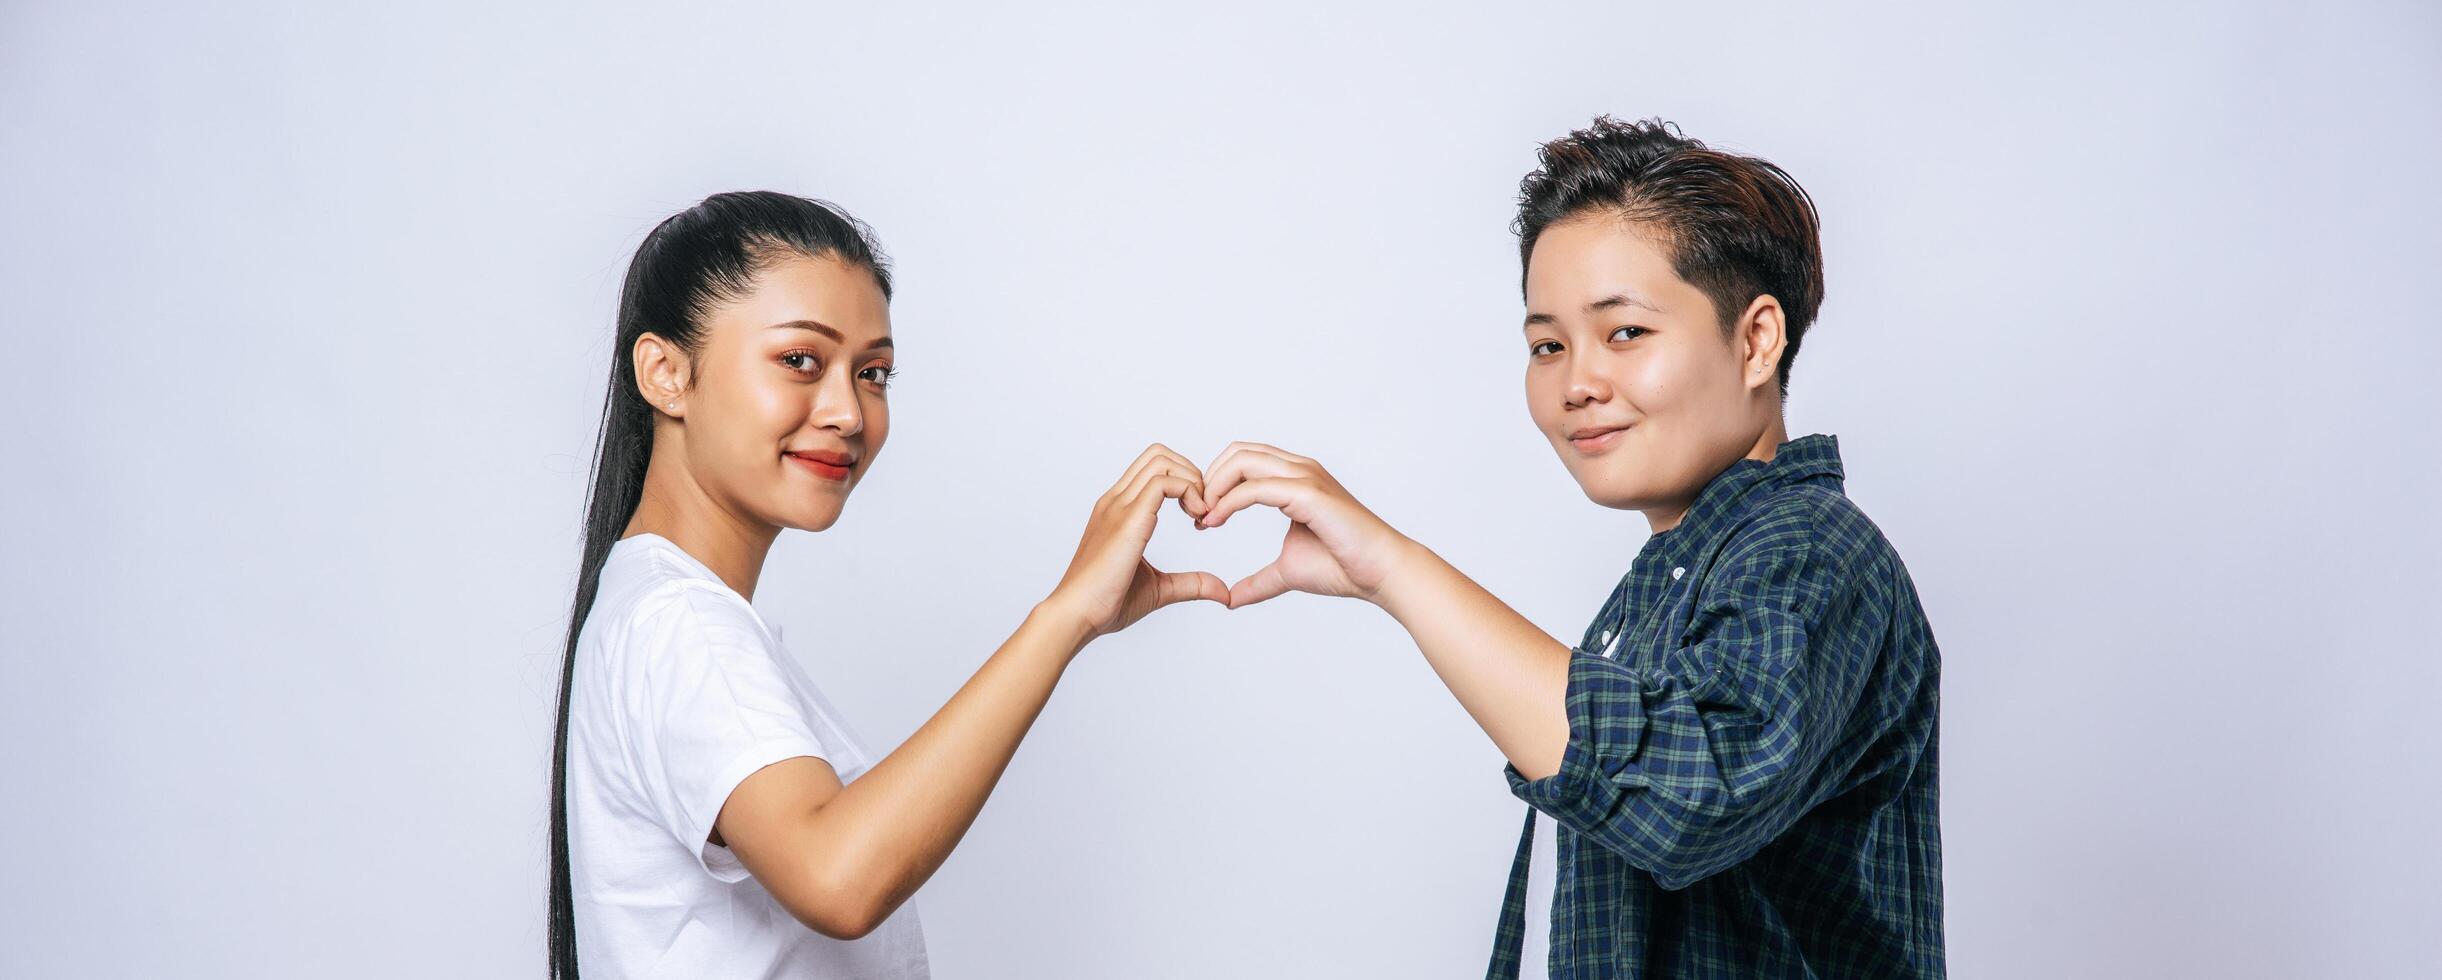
825,463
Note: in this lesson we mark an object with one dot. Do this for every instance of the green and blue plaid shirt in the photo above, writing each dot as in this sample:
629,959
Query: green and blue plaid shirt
1749,786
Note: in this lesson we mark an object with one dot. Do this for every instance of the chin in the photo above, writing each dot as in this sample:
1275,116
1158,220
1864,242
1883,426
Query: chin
1609,490
1609,494
1615,500
815,521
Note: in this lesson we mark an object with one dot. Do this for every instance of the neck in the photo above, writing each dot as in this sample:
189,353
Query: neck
1668,516
676,507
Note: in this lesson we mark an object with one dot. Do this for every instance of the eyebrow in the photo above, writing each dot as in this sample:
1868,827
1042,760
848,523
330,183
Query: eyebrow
1611,302
825,330
1617,300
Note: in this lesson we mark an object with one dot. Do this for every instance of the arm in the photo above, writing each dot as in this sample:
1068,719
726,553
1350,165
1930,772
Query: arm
1683,770
1694,764
843,858
1507,672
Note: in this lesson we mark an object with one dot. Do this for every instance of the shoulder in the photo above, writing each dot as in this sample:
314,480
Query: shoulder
1814,524
649,601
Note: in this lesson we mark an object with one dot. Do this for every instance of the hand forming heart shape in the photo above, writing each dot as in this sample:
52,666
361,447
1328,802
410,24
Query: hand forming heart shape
1334,545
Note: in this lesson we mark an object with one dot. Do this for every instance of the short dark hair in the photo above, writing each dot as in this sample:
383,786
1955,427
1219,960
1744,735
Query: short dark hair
1735,226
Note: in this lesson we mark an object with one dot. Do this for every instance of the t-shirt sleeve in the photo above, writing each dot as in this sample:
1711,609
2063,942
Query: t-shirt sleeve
706,703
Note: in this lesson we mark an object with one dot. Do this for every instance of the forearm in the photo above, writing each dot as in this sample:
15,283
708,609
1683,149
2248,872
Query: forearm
1509,674
890,829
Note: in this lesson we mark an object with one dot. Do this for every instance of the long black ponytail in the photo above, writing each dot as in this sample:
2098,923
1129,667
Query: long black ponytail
689,264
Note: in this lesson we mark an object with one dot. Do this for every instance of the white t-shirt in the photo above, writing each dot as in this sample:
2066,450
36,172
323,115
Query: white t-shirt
680,692
1542,870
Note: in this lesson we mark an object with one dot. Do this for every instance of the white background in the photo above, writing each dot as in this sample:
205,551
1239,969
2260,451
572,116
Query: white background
2129,341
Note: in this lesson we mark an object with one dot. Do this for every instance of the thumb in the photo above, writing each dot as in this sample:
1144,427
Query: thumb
1264,584
1176,587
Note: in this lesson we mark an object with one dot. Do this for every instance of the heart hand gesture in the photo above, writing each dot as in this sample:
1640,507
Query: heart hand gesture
1109,584
1335,546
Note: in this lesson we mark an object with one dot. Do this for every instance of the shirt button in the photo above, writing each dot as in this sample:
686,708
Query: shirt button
1676,572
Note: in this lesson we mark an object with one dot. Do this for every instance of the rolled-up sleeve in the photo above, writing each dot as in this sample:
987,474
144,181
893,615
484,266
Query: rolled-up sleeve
1689,763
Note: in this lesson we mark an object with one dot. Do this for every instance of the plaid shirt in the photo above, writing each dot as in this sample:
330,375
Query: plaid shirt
1748,788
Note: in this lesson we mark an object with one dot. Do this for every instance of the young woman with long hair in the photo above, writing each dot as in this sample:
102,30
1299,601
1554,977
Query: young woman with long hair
710,817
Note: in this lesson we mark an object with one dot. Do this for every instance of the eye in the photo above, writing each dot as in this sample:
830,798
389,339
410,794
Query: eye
1632,333
880,375
812,364
1543,348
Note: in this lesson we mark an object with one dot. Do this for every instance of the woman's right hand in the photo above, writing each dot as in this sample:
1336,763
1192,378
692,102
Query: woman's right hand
1335,546
1109,584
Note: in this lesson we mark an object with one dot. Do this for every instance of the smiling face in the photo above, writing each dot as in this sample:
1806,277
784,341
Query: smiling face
1630,374
787,405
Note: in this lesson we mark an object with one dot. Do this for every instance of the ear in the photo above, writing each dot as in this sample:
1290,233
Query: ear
1762,335
661,374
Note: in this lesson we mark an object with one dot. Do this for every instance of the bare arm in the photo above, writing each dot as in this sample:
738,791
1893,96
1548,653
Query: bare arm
1510,675
843,858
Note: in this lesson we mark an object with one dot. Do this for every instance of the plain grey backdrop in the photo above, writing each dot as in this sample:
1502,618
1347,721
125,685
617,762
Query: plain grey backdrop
2128,341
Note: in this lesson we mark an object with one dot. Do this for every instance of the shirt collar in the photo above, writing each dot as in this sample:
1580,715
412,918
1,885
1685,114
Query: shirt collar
1718,505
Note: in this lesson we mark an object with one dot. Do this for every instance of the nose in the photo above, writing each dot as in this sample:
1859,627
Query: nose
1584,385
836,406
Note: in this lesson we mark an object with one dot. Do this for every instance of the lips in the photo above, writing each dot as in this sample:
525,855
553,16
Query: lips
1595,438
824,463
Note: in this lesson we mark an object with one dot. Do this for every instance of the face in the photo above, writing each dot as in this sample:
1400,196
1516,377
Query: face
787,407
1630,374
